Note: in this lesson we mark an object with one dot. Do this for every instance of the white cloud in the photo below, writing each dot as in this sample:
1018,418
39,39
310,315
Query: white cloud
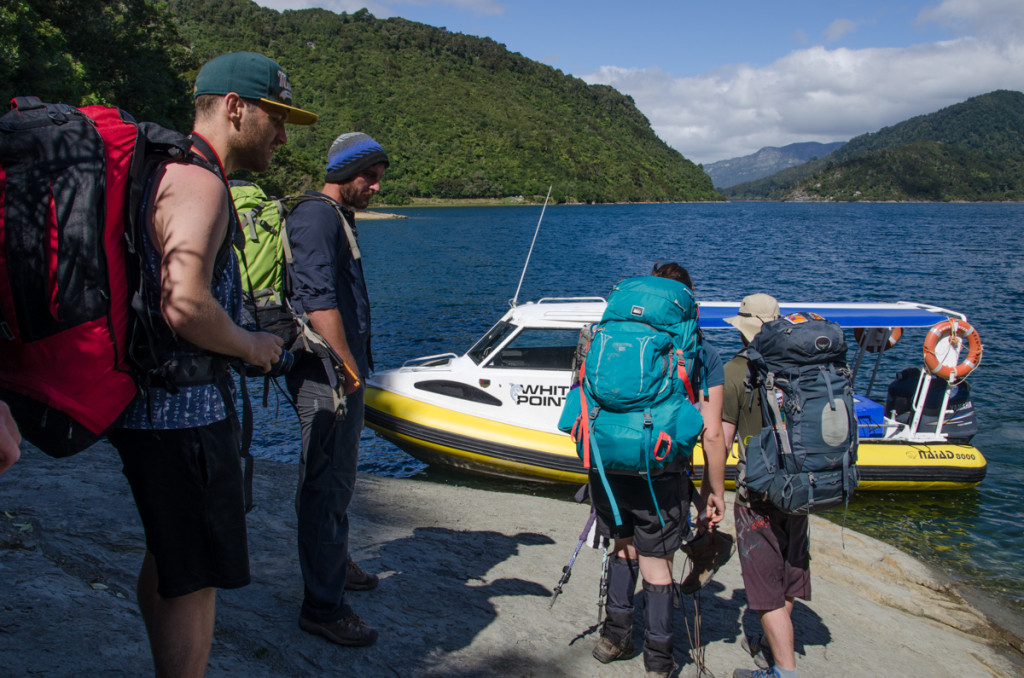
838,28
819,94
1000,18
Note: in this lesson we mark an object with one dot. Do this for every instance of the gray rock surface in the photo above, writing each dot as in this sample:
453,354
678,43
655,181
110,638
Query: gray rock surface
466,581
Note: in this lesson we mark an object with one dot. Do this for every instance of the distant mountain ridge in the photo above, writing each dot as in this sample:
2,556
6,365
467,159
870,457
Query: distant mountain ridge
971,151
766,162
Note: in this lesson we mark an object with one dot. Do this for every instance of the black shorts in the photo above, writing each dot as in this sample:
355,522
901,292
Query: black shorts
639,516
188,489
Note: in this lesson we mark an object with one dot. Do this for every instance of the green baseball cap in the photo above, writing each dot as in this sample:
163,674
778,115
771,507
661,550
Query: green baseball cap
251,76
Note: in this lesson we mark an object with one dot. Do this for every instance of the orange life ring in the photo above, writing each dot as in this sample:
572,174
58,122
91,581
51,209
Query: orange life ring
873,343
955,331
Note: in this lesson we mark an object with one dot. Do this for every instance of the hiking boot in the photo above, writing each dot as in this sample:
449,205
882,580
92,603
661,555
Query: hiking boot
348,631
707,553
356,579
606,651
658,661
754,673
760,650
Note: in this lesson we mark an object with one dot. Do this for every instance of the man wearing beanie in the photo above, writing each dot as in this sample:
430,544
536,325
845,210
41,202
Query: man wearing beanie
178,441
773,546
329,288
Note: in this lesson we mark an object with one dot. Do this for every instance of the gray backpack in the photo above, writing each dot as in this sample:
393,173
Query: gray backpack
805,456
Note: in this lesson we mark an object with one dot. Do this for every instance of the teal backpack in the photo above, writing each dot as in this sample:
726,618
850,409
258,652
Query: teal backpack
634,411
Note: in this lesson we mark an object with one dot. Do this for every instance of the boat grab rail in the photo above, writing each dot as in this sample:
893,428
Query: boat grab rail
420,362
562,300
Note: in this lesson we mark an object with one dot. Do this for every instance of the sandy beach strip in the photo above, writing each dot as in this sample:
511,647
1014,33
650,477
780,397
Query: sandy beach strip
466,582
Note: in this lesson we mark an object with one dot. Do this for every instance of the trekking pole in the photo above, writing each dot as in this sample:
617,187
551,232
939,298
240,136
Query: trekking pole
567,569
602,594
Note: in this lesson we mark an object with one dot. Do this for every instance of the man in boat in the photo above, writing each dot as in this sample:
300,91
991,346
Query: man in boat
329,288
641,544
179,442
773,545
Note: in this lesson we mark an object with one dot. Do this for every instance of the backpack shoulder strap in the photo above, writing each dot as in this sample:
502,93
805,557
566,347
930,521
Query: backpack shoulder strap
296,200
204,156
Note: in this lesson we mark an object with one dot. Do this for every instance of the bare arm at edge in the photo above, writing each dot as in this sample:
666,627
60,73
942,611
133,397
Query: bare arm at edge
712,487
190,219
10,438
729,433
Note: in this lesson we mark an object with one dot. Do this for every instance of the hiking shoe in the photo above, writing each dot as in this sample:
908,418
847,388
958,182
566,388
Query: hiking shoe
606,651
754,673
348,631
356,579
707,553
760,650
648,673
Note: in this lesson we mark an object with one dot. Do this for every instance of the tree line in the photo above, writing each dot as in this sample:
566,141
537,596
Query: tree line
460,116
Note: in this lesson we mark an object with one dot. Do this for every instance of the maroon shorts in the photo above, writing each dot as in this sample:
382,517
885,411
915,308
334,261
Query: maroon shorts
774,555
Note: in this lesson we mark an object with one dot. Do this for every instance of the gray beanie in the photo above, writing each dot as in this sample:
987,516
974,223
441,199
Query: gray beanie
350,154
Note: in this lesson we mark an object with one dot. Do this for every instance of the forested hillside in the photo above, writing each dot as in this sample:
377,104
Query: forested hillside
972,151
460,116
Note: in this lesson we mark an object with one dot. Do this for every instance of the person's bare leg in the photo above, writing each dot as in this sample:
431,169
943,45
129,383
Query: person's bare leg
180,629
656,570
778,629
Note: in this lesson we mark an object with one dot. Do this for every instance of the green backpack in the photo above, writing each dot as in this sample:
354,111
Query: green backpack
264,258
265,261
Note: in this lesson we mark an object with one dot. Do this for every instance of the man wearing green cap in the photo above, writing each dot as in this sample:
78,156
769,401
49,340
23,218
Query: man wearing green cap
329,287
179,442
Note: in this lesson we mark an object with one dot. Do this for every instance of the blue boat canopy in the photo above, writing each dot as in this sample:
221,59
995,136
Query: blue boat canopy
896,314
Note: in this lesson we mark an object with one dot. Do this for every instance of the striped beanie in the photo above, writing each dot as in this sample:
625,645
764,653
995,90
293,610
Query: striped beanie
350,154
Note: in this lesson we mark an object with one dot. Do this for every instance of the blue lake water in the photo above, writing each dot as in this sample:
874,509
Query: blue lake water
441,277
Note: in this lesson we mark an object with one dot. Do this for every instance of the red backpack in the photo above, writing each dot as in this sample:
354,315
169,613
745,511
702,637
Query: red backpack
71,181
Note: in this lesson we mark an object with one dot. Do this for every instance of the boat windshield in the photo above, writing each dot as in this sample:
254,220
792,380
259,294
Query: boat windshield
489,341
538,349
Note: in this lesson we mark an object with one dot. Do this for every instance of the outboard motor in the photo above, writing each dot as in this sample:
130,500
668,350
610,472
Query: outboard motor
960,424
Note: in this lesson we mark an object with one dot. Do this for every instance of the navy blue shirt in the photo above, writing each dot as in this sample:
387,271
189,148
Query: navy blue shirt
325,275
707,371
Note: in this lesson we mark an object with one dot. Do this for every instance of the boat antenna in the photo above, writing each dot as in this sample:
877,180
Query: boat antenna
516,298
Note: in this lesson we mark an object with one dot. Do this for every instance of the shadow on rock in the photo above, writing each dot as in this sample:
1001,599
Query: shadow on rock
440,586
808,627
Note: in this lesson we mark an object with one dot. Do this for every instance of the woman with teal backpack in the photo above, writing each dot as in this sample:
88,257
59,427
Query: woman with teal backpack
646,511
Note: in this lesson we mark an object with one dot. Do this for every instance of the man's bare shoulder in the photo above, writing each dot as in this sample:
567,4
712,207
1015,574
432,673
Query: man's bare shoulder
183,176
190,199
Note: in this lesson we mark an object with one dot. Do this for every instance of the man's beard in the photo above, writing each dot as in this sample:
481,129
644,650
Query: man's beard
354,198
251,153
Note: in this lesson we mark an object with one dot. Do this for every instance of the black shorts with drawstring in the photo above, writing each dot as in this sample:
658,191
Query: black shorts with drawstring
188,488
637,509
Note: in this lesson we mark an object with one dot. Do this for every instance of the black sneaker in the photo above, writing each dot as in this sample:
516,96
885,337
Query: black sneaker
356,579
348,631
606,651
707,553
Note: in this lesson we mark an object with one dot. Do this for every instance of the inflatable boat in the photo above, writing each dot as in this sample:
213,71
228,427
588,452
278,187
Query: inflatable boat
493,409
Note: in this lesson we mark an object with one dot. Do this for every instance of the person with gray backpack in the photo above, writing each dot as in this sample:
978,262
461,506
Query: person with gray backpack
789,397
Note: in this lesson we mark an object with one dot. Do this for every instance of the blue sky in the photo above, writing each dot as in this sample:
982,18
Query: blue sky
723,79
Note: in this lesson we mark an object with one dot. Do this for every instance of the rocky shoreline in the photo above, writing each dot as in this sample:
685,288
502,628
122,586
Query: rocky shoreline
466,583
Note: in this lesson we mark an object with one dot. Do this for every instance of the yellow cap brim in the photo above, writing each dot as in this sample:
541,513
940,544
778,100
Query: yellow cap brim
296,116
